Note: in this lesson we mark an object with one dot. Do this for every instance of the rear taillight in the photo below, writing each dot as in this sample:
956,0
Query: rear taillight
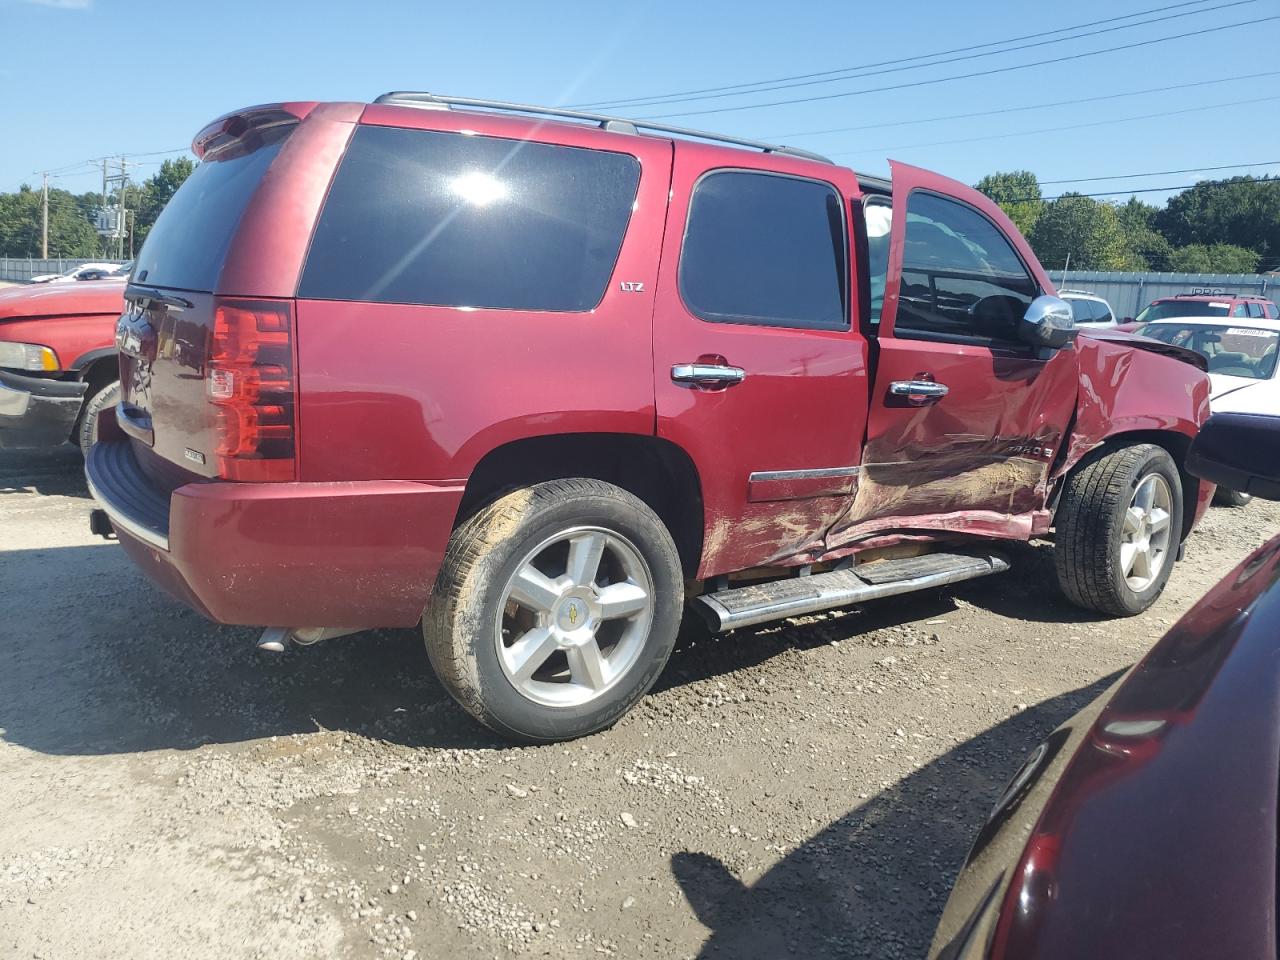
249,380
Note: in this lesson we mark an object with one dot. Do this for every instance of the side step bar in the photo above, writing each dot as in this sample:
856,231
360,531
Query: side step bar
778,599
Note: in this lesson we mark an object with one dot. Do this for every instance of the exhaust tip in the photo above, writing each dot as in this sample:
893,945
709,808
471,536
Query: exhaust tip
273,639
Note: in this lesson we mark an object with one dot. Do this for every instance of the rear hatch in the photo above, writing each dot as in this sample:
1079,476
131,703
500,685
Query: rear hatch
207,380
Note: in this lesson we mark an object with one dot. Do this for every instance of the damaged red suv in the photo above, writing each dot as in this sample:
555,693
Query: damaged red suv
536,379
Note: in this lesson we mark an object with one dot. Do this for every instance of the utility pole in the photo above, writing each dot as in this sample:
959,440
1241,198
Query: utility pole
104,200
44,218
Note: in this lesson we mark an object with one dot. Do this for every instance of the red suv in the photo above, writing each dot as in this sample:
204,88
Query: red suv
535,383
1207,305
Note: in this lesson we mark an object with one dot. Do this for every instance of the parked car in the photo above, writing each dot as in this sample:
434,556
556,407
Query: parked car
1242,366
58,366
84,271
523,380
1208,305
1089,309
1146,825
117,272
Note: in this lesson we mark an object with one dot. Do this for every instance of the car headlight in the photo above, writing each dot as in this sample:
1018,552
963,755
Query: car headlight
27,356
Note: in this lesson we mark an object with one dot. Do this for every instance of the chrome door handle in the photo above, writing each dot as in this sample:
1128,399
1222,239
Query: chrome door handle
707,374
919,392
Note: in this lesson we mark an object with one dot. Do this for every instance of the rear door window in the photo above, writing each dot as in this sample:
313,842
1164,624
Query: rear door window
446,219
188,243
961,278
766,249
1102,312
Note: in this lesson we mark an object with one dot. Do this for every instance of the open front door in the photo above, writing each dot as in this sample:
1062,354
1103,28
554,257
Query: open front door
964,419
759,375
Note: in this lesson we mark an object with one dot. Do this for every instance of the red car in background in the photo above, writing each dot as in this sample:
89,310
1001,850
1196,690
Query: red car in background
1203,305
58,366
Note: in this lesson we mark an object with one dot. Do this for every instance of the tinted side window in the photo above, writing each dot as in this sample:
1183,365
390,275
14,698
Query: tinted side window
960,275
878,214
417,216
1272,311
1255,310
765,249
1239,310
1101,312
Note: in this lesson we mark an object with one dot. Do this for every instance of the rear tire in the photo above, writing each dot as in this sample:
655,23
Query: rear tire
87,432
1231,498
556,608
1118,526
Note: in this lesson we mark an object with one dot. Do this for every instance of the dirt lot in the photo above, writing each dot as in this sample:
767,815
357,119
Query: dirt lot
802,790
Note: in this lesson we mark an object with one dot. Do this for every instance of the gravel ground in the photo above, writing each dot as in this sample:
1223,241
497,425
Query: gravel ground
807,789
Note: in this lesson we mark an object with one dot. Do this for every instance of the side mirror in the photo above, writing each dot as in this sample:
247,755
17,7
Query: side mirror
1048,325
1239,451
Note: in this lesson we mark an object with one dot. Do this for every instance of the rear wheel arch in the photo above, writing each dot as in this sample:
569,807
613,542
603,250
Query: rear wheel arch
658,472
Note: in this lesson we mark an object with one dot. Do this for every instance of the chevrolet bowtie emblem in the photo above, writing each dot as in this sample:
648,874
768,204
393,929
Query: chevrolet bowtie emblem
573,614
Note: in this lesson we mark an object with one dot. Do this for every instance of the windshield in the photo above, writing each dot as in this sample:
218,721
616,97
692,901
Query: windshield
1164,309
1231,351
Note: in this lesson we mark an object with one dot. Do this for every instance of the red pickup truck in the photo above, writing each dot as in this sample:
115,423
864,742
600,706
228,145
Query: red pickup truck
58,365
535,383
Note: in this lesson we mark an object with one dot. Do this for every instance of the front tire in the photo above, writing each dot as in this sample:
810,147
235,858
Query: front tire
87,431
555,609
1118,527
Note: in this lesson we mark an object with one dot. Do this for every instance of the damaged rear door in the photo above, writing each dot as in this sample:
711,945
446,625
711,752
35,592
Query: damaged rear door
964,419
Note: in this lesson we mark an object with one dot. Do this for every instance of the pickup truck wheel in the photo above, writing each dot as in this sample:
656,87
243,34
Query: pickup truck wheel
1231,498
555,609
1118,529
87,432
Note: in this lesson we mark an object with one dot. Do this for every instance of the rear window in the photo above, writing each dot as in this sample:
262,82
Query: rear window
1162,310
447,219
186,247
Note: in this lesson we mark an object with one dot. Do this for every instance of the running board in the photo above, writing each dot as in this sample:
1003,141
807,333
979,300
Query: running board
778,599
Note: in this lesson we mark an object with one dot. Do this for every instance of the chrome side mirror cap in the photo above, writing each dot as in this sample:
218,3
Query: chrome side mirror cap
1048,325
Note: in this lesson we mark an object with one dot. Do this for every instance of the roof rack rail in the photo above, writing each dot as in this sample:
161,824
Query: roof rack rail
433,101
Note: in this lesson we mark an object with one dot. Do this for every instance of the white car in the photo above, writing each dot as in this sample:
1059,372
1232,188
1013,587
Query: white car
1242,355
1089,309
74,274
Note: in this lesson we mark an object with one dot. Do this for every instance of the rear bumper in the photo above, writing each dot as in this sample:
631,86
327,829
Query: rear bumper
36,412
361,554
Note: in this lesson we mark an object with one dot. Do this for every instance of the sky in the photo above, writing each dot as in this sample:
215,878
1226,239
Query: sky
139,77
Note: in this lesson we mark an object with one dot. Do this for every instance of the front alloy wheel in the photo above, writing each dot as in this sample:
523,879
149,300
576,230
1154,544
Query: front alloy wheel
1144,545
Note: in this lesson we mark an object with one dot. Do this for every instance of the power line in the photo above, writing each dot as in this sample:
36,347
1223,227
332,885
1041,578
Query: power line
771,84
966,76
1073,126
1210,184
781,137
1164,173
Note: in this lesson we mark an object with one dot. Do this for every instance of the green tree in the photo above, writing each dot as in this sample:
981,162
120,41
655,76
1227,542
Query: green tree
1241,211
1214,258
1018,193
1146,247
70,232
1089,231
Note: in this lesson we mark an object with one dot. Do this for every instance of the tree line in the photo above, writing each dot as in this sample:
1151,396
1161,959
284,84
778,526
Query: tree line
72,232
1217,226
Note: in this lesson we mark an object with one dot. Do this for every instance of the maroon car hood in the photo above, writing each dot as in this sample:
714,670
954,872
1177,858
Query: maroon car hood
62,299
1112,335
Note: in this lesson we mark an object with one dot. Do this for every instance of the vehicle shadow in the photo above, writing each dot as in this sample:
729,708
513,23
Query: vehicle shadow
53,471
95,659
874,882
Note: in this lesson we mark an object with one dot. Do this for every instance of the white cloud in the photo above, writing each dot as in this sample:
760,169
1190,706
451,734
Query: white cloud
61,4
